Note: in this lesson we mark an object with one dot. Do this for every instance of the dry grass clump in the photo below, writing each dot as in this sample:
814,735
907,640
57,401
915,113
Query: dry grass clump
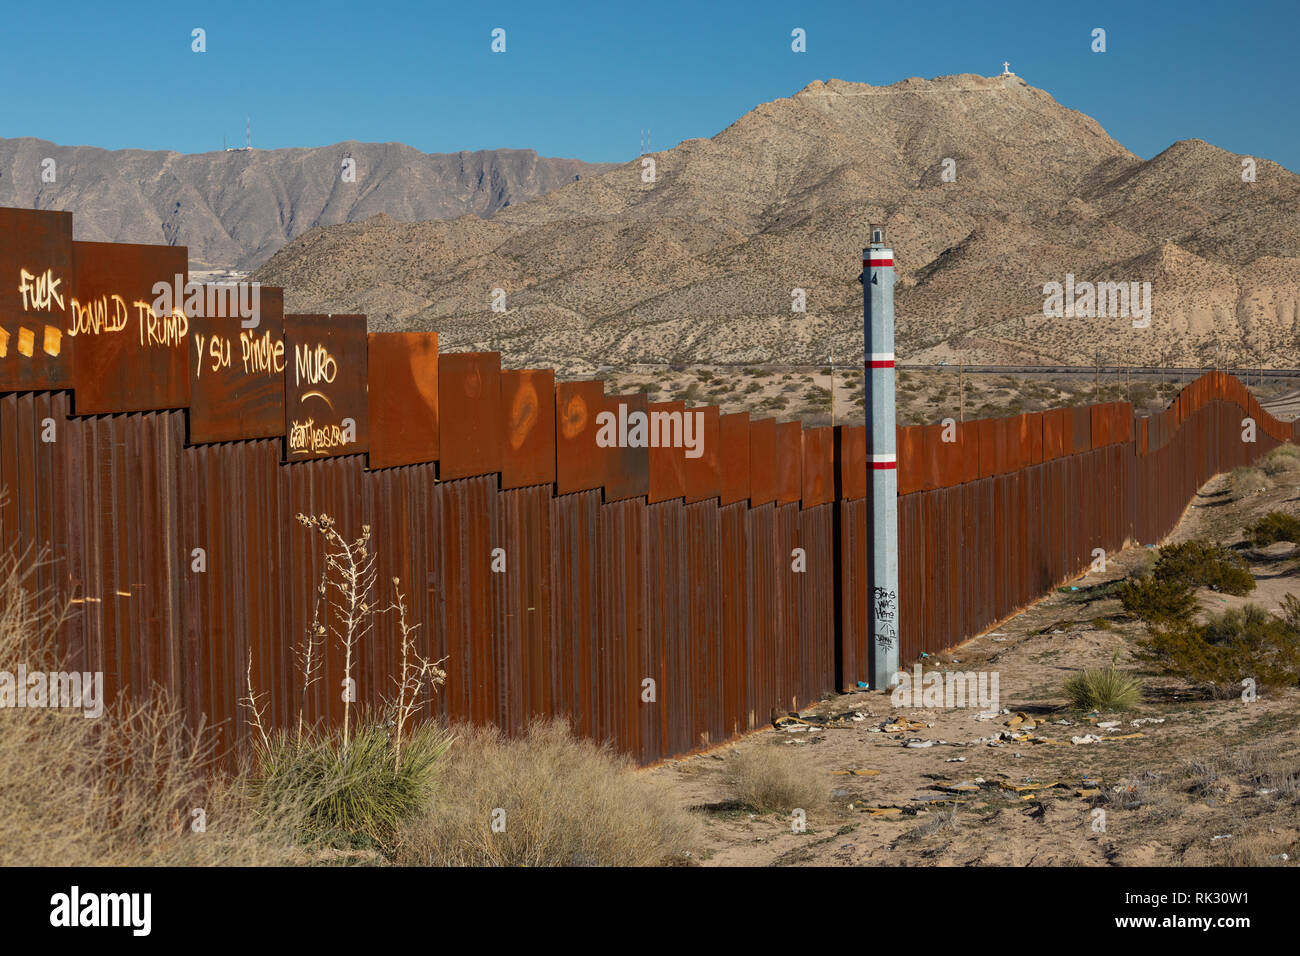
545,799
120,789
1281,460
1246,481
771,778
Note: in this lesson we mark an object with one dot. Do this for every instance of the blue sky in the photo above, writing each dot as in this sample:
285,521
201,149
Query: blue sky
582,79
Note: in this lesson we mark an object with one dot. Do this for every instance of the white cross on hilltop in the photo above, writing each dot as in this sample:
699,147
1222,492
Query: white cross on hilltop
1006,68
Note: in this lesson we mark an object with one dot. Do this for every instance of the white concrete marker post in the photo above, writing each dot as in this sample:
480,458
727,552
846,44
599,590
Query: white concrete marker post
882,460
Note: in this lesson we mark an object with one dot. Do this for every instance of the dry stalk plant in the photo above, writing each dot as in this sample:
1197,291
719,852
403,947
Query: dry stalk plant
344,596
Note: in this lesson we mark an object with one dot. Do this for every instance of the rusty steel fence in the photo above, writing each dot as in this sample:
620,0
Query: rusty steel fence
659,599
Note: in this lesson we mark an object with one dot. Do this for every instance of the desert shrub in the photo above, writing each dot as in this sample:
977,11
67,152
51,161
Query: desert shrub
355,794
1157,601
1275,526
1281,460
1102,689
562,801
1198,563
772,778
1246,481
1231,646
1291,612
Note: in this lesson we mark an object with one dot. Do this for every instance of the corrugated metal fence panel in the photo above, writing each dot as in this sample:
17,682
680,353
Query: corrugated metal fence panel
625,619
704,571
576,572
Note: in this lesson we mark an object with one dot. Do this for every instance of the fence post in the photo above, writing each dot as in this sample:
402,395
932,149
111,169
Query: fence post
882,461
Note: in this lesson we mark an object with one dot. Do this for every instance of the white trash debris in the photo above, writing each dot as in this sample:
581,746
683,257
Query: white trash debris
1146,720
1086,739
918,743
1108,724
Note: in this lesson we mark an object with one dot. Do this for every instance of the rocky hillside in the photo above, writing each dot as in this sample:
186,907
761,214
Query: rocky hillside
700,264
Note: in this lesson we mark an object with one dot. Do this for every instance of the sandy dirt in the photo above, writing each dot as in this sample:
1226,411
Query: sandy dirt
1207,782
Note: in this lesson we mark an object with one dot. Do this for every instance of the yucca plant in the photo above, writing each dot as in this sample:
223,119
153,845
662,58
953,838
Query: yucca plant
1102,689
353,793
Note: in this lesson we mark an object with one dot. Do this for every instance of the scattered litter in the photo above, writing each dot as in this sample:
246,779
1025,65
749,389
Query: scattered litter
1027,785
1108,724
1223,836
986,715
1086,793
1282,856
964,787
854,772
916,743
1021,720
996,634
883,811
955,760
1146,720
1265,791
902,725
1086,739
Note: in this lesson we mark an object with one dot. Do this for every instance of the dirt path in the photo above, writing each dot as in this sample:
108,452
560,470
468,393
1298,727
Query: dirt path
1206,782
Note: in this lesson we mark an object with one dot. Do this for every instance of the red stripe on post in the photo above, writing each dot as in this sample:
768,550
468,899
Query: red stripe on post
884,363
878,465
877,262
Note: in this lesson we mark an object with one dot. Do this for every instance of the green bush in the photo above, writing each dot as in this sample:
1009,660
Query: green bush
1158,601
1231,646
1102,690
1198,563
1275,526
356,795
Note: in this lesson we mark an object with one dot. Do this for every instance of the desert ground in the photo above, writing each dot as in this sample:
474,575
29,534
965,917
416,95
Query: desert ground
925,395
1180,779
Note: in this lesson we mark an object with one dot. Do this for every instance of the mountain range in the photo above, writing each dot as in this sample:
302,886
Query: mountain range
234,208
988,190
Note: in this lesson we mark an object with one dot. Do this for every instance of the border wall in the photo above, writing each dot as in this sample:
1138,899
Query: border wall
129,439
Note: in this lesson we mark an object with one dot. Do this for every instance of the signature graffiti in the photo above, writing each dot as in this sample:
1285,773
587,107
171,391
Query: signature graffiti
884,602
